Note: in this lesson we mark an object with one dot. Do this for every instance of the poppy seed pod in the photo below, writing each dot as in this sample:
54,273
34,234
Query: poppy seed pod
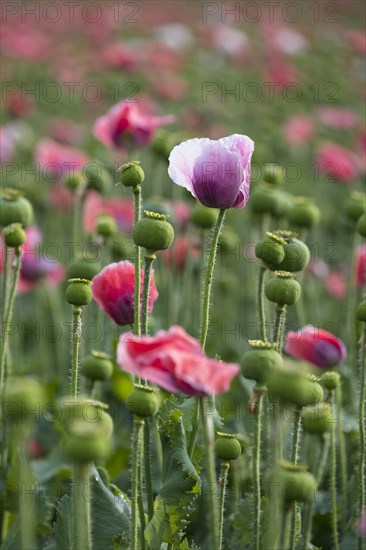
23,393
75,181
71,411
283,290
273,174
14,208
83,268
14,235
203,217
304,213
97,177
355,206
267,200
295,483
293,386
361,312
106,226
330,380
97,366
78,292
87,442
131,174
361,225
153,232
143,401
318,418
260,361
271,250
163,143
227,447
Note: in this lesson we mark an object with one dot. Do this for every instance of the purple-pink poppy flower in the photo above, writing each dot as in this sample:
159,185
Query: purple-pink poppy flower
113,290
317,346
216,172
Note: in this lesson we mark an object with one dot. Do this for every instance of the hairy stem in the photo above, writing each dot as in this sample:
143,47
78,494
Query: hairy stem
294,459
76,335
261,312
137,261
138,424
362,424
81,497
145,294
333,479
256,469
225,466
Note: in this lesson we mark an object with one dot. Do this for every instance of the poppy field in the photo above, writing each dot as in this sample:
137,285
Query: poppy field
182,275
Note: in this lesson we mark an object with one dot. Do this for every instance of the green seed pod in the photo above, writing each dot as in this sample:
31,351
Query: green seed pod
78,292
295,483
297,256
84,409
14,235
227,447
121,248
14,208
267,200
294,387
83,268
203,217
228,240
24,398
259,362
143,401
330,380
283,290
97,366
153,232
97,177
361,225
273,174
271,250
163,143
318,418
75,181
304,213
361,312
86,442
131,174
355,206
106,226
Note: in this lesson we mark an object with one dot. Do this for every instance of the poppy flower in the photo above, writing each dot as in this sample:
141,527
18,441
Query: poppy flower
113,290
337,162
361,266
175,361
119,208
316,346
216,172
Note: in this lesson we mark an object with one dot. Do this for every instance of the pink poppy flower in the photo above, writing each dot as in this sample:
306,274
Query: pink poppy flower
339,163
56,160
357,41
175,361
361,266
337,118
120,209
216,172
336,284
361,527
317,346
127,126
298,130
113,290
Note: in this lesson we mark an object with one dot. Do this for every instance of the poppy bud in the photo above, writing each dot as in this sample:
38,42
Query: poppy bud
23,393
14,235
106,226
97,177
361,312
131,174
293,386
260,361
153,232
75,181
355,206
79,293
330,380
203,217
273,174
14,208
317,419
297,254
143,401
304,213
295,483
227,447
271,250
83,268
97,366
283,290
361,225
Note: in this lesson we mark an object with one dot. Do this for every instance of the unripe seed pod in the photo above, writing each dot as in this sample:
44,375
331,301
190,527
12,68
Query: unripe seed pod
259,362
228,240
83,268
361,312
106,226
84,409
143,401
153,232
78,292
121,248
361,225
304,213
317,419
14,235
203,217
87,442
97,366
283,290
297,256
227,447
131,174
295,483
293,386
271,250
355,206
273,174
163,143
97,177
75,181
23,393
14,208
267,200
330,380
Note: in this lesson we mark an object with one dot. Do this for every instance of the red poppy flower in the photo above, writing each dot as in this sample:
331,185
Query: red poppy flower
317,346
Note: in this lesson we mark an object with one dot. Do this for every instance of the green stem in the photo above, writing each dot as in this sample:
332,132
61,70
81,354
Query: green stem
284,529
76,335
261,312
81,505
5,281
279,326
256,469
145,294
76,226
138,424
147,462
137,261
212,512
333,479
342,458
294,459
362,424
225,466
